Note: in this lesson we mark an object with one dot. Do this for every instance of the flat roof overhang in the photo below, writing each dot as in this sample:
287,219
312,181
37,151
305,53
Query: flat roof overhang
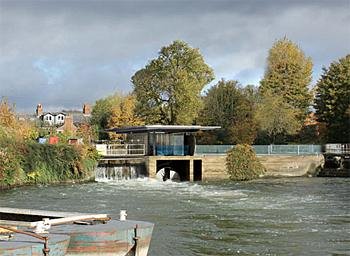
161,129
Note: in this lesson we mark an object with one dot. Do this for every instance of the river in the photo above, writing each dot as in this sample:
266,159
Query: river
286,216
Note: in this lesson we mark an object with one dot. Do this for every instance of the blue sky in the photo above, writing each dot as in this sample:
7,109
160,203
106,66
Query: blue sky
63,54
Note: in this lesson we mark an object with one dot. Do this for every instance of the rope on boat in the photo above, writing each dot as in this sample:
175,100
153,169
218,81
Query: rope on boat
46,249
137,241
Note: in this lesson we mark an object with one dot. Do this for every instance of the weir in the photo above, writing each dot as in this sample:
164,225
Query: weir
161,151
119,171
170,152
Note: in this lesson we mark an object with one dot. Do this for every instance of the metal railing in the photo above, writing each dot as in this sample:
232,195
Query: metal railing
338,148
262,149
121,149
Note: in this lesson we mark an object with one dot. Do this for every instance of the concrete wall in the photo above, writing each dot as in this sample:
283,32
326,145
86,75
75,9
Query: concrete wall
285,166
214,167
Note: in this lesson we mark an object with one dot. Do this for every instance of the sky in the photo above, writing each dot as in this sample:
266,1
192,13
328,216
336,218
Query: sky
63,54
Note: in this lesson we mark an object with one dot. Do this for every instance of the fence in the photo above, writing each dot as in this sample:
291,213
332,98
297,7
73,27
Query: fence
338,148
262,149
121,149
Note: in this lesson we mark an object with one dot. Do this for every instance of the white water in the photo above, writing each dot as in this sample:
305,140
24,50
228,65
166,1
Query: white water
295,216
116,173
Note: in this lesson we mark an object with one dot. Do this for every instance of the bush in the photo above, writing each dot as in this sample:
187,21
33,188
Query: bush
243,164
10,168
11,156
53,162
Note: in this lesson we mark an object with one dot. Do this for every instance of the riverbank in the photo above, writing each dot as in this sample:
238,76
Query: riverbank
34,163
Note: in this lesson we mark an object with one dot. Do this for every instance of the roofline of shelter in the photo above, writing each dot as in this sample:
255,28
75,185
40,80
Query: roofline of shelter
160,129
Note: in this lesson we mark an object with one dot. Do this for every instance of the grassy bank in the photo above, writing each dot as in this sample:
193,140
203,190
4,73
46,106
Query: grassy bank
32,163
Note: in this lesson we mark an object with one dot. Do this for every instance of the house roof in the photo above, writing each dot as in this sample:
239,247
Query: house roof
53,113
160,129
78,117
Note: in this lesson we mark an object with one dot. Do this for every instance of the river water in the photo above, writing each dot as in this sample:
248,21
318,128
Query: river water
287,216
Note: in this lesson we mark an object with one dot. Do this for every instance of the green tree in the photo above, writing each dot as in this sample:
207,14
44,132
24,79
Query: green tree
288,74
276,117
99,116
114,111
332,102
168,88
101,111
230,106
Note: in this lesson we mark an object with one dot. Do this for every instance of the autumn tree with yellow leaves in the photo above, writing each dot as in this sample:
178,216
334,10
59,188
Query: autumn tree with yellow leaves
285,90
123,114
114,111
288,75
13,127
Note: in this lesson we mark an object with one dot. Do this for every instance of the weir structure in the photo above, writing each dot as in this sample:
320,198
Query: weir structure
336,161
156,151
170,152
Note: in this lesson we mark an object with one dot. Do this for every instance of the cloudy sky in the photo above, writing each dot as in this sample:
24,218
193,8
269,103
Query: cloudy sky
66,53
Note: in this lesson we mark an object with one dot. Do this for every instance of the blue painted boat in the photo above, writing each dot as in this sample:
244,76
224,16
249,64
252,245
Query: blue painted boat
18,244
90,234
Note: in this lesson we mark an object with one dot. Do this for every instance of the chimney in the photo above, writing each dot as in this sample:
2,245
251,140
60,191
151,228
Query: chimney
68,121
86,110
39,110
69,125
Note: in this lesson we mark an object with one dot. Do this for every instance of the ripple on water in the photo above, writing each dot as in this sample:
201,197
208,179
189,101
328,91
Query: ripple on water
263,217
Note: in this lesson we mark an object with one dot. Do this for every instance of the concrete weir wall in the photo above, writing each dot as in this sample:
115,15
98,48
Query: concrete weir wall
194,168
291,165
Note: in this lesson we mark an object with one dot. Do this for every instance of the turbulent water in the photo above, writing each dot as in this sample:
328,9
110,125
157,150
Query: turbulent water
294,216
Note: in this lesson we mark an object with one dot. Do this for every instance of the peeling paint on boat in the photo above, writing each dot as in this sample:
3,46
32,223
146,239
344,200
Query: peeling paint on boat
113,237
23,245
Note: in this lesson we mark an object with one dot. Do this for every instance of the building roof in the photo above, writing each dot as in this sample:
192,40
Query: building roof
160,129
78,116
53,113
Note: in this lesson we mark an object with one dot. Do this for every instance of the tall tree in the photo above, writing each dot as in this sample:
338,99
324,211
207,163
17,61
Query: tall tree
11,124
123,114
288,74
230,106
100,113
276,117
114,111
168,88
332,101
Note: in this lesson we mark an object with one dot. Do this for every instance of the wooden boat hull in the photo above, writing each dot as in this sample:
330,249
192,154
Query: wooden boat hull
24,245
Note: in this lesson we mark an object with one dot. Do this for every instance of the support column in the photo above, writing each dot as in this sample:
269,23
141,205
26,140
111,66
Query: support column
151,167
191,170
154,143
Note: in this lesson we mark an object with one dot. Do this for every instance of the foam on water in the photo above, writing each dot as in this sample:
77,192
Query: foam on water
298,216
110,173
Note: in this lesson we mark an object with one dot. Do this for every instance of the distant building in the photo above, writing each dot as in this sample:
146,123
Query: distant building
68,127
68,121
53,118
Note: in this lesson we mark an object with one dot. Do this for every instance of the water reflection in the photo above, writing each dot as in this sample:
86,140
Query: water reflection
295,216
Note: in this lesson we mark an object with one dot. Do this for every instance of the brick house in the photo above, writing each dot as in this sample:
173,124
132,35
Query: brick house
68,121
68,127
